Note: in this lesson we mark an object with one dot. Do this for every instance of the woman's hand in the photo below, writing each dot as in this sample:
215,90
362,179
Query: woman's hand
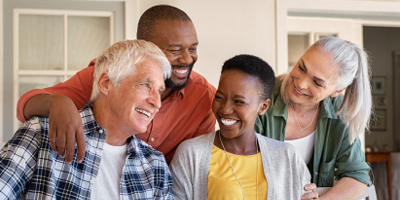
311,195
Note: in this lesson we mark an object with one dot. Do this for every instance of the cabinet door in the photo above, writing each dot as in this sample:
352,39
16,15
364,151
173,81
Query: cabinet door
302,32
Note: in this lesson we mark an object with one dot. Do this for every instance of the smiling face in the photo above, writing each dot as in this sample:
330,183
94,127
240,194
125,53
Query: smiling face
178,40
237,103
313,78
136,99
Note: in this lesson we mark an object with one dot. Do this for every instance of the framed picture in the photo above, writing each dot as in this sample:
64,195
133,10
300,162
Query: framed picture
380,123
379,101
378,85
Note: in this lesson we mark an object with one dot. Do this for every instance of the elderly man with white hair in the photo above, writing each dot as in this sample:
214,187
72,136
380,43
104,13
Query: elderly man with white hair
128,80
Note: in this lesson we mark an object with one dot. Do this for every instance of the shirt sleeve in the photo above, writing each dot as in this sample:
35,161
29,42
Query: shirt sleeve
180,170
78,88
208,123
351,162
18,160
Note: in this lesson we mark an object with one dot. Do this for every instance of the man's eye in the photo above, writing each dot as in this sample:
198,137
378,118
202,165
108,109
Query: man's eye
239,102
174,51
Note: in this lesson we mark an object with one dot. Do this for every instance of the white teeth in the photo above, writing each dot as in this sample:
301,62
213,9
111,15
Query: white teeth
228,122
179,71
298,91
143,112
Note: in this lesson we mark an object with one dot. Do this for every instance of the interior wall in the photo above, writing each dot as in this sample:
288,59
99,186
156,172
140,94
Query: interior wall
381,42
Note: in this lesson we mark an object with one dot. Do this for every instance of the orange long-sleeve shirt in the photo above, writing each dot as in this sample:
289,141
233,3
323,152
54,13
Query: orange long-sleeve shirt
184,114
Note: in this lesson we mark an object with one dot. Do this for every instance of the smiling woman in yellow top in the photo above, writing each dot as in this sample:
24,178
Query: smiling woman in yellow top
235,162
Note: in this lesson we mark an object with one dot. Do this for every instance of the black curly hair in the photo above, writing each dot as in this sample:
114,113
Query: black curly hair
254,66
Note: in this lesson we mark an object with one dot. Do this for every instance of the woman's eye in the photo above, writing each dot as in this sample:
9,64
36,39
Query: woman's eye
316,83
301,68
218,98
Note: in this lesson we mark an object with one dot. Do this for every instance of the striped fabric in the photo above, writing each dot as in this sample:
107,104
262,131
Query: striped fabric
30,168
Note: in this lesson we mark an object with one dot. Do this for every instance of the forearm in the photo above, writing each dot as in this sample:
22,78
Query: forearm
40,105
345,188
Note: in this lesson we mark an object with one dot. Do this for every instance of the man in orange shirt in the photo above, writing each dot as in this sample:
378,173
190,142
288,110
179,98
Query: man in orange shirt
186,103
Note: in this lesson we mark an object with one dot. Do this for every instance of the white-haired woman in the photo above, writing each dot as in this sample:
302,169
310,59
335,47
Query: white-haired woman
321,106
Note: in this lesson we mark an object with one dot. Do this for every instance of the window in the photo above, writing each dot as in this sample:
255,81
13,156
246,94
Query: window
52,45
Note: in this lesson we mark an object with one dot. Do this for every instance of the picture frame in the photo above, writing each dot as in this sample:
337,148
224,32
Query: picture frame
379,101
380,123
378,85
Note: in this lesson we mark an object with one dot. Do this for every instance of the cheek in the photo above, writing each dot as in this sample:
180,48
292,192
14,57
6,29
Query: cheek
194,57
214,106
171,58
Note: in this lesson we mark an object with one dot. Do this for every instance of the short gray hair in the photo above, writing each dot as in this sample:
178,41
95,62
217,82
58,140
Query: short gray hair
120,60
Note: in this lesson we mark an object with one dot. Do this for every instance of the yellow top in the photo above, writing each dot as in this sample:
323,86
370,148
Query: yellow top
222,183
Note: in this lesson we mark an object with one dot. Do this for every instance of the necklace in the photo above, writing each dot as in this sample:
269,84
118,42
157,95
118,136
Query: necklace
234,170
301,128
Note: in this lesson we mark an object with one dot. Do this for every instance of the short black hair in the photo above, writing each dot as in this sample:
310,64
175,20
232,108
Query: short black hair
159,12
254,66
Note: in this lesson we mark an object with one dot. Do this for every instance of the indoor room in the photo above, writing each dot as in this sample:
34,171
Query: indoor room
45,42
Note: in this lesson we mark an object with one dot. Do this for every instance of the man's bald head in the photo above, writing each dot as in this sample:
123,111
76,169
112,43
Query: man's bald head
160,12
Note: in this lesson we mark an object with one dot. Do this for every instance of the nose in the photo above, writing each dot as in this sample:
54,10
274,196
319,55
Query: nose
302,82
226,108
154,99
185,57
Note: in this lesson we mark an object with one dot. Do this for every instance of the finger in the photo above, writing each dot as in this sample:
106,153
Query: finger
310,195
52,137
311,186
81,142
61,142
70,148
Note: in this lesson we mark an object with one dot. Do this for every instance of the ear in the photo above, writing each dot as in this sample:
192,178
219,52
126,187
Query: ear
104,83
337,93
264,106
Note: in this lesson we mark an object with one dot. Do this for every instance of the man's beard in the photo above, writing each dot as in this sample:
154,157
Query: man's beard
170,84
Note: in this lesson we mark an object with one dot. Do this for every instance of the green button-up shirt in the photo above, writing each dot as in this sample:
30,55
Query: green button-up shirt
334,157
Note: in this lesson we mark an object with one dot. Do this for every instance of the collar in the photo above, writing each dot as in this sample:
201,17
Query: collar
181,93
327,109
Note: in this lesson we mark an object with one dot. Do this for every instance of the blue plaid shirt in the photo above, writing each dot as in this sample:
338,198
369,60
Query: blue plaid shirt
29,167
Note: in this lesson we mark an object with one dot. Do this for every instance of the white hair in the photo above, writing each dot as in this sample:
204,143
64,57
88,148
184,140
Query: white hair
120,60
354,70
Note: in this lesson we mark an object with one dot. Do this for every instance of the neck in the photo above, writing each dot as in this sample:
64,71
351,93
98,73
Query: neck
243,145
304,108
166,93
116,135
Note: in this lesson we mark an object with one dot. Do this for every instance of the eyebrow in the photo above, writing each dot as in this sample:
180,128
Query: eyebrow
235,96
305,69
179,45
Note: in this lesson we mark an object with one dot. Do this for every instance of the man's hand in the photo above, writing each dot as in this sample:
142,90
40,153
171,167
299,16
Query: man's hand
65,128
311,195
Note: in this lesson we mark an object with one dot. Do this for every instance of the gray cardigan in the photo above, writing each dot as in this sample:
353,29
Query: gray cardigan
284,168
